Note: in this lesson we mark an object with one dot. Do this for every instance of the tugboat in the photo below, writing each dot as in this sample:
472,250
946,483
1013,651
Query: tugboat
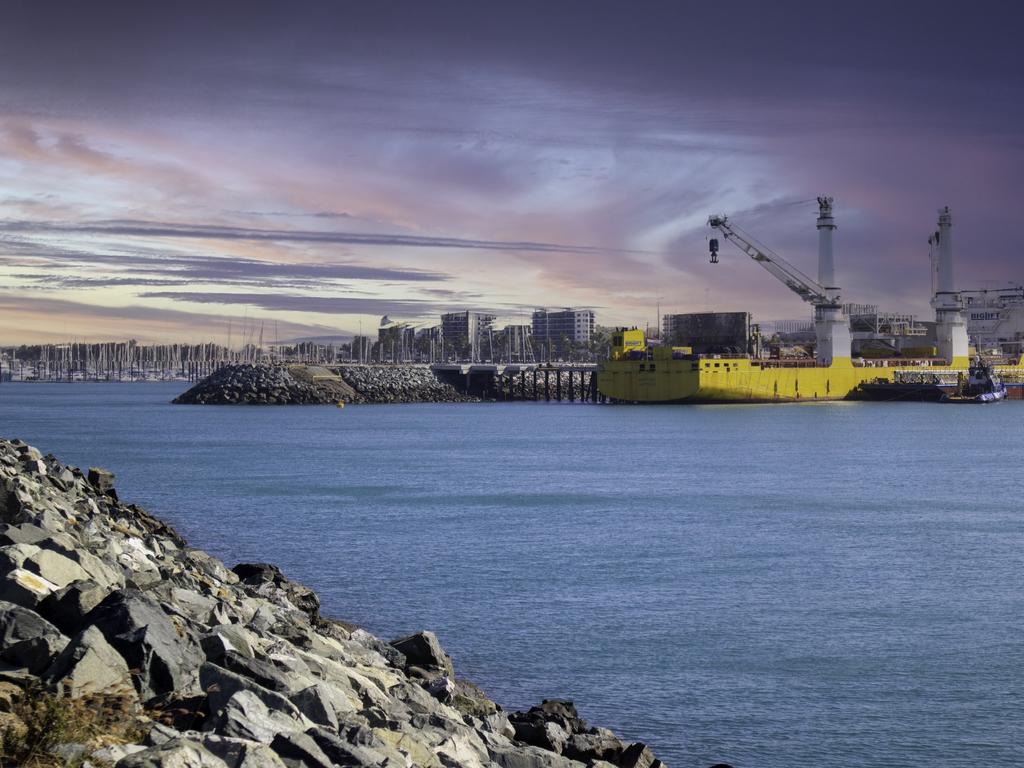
981,386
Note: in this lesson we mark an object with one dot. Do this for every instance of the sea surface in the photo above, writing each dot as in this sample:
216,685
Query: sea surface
791,585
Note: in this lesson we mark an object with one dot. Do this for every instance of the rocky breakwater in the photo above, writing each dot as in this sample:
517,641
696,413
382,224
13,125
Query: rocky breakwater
317,385
260,385
400,384
120,644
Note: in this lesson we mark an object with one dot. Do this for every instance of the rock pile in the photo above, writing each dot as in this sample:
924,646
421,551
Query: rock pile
256,385
230,667
400,384
299,385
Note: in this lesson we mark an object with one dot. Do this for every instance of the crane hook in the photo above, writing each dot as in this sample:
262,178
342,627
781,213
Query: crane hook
713,247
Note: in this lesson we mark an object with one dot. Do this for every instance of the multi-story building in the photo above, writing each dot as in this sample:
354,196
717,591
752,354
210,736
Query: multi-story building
557,331
467,335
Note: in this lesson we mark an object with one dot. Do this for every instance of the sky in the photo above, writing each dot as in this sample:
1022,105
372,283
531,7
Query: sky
172,170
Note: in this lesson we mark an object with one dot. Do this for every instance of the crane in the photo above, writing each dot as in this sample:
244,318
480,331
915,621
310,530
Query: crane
807,289
831,326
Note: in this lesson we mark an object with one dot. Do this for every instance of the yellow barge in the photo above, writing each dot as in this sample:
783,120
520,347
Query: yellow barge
636,373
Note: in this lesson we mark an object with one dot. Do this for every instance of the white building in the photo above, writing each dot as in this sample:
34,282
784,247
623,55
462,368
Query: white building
555,329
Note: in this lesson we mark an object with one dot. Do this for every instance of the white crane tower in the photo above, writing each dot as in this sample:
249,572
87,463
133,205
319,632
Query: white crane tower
831,326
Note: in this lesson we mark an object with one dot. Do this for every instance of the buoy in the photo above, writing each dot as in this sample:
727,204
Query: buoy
341,403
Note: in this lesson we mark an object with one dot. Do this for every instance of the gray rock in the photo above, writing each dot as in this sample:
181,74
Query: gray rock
499,723
245,716
89,664
166,656
113,753
101,479
14,556
226,639
323,704
71,752
161,733
26,533
343,753
27,639
599,745
299,595
442,689
638,756
25,588
272,674
221,684
238,753
544,734
55,568
67,608
424,650
515,756
299,750
176,753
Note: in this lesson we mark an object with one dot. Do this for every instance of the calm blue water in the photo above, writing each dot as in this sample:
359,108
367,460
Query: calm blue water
806,585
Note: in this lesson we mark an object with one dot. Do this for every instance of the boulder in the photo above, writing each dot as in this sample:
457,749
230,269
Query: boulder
298,750
25,588
238,753
27,639
67,608
102,480
322,703
14,556
165,656
424,650
26,533
221,687
226,639
540,733
515,756
442,689
176,753
638,756
600,744
113,753
245,716
55,568
88,665
299,595
344,753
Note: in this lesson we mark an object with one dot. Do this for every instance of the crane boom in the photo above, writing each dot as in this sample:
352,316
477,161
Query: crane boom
807,289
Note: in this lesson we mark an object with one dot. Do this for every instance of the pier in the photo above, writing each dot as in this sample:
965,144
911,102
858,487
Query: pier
558,382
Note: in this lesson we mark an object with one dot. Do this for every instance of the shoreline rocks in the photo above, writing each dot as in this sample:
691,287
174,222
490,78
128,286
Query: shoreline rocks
265,384
217,667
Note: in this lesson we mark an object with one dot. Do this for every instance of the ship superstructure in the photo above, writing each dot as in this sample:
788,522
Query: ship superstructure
995,319
637,372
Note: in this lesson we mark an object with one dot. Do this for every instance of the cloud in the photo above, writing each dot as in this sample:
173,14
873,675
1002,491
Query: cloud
200,268
330,305
152,230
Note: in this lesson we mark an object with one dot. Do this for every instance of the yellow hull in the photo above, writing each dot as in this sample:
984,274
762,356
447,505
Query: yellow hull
730,380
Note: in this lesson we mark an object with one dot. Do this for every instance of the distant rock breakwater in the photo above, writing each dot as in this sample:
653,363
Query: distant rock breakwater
218,667
319,385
